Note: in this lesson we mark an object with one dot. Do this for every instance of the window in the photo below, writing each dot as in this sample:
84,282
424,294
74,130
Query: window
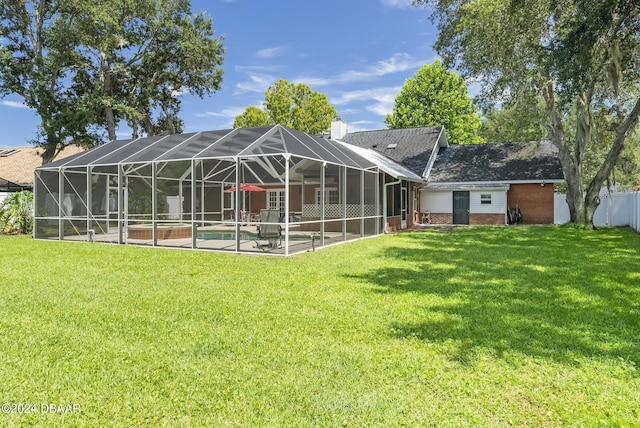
485,199
8,152
330,196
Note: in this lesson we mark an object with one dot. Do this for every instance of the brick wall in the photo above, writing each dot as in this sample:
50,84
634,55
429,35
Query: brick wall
441,218
395,223
535,202
495,219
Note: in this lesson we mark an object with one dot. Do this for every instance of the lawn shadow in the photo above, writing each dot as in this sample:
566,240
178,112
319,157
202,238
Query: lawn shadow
544,292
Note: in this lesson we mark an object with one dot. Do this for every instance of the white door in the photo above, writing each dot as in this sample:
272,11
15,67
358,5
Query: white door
276,200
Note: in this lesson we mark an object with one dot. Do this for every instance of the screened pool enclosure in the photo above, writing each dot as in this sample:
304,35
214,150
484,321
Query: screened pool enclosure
266,189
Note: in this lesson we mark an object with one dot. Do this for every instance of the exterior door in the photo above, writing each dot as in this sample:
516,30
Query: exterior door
460,207
276,200
403,208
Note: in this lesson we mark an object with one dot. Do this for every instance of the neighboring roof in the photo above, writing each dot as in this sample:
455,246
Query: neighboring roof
18,167
411,147
9,186
502,162
272,141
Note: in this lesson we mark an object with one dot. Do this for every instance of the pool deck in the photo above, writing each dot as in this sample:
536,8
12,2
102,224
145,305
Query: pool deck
296,245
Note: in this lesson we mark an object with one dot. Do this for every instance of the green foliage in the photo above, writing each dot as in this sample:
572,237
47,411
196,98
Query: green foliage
435,96
85,67
479,326
294,106
37,62
16,213
581,58
252,116
517,121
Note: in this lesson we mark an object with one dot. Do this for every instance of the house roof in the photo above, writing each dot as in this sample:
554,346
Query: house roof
18,165
497,162
386,164
466,186
412,147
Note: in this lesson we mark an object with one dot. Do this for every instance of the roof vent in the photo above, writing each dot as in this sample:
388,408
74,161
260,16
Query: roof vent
9,152
392,146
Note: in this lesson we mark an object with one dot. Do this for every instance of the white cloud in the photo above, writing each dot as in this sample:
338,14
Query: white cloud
230,112
377,94
258,83
180,93
271,52
14,104
361,125
383,99
400,4
397,63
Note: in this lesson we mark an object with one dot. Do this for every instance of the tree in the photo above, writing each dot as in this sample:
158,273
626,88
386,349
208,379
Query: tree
252,116
294,106
578,55
514,121
435,96
140,56
85,66
36,62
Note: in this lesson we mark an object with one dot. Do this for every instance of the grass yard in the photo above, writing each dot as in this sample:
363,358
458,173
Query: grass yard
484,326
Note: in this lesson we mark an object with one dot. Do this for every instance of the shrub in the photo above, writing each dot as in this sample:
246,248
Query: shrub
16,214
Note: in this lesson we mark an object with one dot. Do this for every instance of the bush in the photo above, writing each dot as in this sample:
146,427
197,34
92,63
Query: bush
16,215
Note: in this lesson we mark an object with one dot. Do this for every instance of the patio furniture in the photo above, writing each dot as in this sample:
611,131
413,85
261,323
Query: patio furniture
514,215
269,230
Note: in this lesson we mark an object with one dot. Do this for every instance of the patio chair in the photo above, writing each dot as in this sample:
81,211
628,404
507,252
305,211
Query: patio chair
272,233
514,215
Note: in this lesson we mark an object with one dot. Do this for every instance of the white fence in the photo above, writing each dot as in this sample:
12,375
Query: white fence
615,209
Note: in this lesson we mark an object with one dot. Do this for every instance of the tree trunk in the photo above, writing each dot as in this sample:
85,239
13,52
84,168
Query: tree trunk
583,204
111,122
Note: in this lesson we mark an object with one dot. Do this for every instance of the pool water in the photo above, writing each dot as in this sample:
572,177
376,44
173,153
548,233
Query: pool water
225,236
244,236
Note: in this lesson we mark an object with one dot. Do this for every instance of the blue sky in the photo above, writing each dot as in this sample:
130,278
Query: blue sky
357,52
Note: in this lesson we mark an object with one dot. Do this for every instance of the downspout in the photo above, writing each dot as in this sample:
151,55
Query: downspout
384,203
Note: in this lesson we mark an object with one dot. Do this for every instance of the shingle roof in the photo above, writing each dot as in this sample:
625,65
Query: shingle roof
537,161
19,166
413,146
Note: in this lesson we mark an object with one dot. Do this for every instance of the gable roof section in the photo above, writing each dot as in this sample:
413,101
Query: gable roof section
411,147
497,162
18,167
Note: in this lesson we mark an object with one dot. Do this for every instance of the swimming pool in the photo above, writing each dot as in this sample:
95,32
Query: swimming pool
212,235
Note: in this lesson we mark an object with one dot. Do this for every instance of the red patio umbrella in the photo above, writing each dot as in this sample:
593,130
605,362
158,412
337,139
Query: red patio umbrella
247,188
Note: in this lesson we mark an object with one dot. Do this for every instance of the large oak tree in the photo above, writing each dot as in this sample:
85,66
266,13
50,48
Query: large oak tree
84,66
579,55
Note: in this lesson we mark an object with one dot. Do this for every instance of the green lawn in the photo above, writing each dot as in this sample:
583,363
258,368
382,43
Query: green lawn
488,326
